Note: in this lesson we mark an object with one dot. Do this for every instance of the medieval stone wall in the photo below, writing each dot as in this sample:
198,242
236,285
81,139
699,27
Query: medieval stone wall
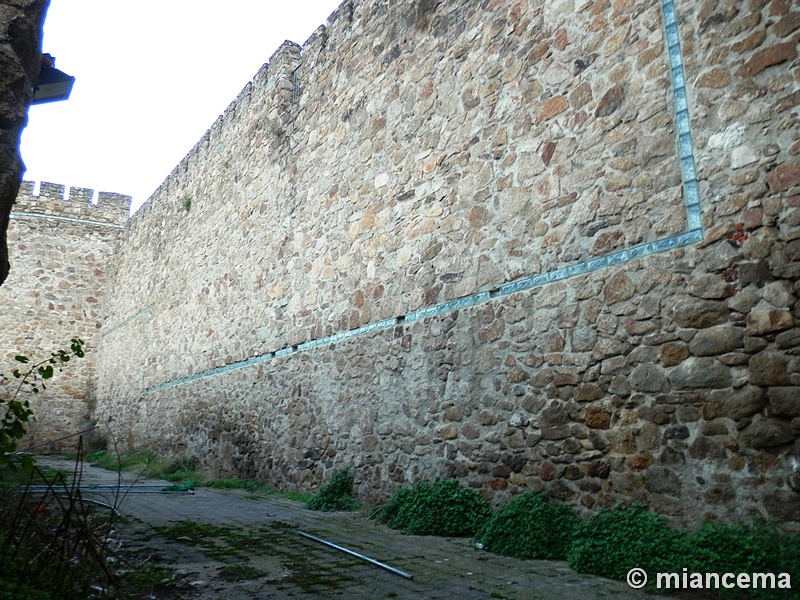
528,244
60,246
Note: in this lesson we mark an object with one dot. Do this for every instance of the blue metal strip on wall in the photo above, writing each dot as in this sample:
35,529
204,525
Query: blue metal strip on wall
127,321
693,235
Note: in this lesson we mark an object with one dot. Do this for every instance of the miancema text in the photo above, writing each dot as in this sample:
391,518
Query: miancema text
708,581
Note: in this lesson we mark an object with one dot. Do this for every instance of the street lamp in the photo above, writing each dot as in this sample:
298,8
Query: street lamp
52,85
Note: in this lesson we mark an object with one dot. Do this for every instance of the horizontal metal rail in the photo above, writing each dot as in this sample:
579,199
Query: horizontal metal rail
107,489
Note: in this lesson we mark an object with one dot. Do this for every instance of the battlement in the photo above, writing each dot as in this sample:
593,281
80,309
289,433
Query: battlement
73,202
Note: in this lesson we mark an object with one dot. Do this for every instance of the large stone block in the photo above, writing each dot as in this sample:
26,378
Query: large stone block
761,321
696,313
648,378
695,373
768,369
735,404
662,480
767,433
716,340
785,401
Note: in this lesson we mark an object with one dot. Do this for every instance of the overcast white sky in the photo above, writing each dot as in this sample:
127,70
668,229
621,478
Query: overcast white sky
151,77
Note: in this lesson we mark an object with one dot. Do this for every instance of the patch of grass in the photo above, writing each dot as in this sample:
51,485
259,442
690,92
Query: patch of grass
237,484
129,460
222,543
289,495
191,531
337,494
148,578
235,547
240,572
530,527
13,478
182,470
444,508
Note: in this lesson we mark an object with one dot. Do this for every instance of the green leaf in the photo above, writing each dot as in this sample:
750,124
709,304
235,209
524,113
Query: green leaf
16,430
23,359
46,372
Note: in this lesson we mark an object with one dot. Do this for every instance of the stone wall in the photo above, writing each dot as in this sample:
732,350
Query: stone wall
528,244
60,247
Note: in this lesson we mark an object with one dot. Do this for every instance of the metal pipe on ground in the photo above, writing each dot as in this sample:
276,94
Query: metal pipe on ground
371,561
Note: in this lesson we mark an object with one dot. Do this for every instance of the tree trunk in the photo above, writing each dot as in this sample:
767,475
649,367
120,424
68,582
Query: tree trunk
20,60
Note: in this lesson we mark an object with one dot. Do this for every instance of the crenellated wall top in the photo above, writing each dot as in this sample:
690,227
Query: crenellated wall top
58,200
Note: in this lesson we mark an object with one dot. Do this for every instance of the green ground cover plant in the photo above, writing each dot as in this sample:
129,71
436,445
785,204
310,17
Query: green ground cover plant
754,547
443,508
612,542
609,543
530,526
337,494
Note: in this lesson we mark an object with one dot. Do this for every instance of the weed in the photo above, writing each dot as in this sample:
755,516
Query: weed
52,543
186,203
530,527
444,508
337,494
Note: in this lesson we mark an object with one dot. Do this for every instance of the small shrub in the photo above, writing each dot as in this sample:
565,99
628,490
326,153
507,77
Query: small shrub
716,547
179,464
530,527
785,554
444,508
337,494
743,548
612,542
15,413
95,442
